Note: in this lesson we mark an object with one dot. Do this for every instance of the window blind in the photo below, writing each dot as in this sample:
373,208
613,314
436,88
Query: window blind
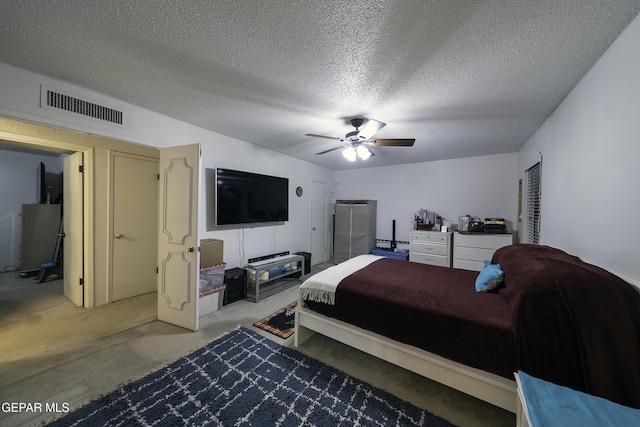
532,231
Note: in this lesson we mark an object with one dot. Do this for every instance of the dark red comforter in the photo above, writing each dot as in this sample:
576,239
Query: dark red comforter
434,308
575,324
555,317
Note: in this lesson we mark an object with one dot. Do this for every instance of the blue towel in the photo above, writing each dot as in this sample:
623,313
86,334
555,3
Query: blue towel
553,405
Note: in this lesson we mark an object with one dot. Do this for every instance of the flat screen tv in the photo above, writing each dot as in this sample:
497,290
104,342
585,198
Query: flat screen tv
250,198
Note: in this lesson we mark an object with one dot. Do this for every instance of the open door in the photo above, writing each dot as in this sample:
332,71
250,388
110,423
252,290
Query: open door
72,214
178,257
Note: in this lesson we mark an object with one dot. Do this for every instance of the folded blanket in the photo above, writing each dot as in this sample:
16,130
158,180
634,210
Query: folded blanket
321,287
550,404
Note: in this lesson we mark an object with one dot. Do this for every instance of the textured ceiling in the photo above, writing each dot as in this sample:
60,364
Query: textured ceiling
464,78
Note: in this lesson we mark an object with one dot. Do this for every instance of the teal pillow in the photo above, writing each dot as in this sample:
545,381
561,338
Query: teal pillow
489,278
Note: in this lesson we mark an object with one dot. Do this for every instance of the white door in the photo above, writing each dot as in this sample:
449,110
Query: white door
134,228
73,222
318,222
178,257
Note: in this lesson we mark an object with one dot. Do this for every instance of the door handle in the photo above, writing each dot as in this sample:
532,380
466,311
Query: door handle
189,249
313,229
119,236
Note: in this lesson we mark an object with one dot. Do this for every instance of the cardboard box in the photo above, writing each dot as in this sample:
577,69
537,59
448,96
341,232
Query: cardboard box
211,252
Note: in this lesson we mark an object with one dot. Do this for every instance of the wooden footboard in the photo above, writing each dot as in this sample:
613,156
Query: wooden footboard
486,386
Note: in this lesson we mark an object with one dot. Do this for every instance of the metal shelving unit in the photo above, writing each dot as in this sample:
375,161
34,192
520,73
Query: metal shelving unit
265,278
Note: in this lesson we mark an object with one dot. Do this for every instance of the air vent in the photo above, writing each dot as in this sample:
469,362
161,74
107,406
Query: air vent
60,101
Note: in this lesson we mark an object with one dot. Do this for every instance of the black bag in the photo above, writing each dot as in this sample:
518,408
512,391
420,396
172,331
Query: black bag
476,226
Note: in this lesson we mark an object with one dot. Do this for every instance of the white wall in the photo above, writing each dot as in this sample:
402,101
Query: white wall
590,169
483,186
18,186
20,99
240,244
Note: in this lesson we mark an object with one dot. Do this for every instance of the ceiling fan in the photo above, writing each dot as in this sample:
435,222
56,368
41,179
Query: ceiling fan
357,142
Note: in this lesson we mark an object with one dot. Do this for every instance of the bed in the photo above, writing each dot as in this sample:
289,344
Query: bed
551,316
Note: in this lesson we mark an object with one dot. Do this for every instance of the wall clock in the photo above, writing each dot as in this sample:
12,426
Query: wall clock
299,191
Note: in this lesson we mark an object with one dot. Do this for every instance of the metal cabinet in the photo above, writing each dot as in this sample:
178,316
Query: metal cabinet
354,228
40,226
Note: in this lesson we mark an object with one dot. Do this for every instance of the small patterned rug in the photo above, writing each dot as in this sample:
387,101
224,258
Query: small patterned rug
280,323
245,379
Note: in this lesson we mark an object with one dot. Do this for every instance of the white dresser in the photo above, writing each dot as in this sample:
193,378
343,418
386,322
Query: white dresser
430,247
471,250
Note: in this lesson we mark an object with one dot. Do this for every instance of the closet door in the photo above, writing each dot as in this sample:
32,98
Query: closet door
318,236
134,242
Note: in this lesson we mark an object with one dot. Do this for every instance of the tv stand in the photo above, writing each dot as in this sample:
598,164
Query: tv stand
270,276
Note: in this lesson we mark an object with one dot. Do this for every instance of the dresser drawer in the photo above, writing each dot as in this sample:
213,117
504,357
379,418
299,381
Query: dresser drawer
487,241
422,258
473,254
468,265
430,237
428,248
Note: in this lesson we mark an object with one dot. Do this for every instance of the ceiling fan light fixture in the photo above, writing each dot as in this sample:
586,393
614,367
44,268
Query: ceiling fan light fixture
357,141
349,153
363,152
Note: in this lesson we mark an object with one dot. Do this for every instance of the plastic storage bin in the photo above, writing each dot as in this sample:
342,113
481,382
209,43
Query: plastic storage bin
211,278
401,255
212,300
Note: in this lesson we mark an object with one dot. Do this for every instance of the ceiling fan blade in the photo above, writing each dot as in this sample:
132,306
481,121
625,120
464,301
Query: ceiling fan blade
393,142
370,129
323,136
329,150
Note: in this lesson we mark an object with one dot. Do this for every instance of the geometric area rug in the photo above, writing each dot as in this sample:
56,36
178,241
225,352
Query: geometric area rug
281,323
245,379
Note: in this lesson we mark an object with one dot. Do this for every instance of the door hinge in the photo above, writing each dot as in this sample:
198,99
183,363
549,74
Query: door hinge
81,281
158,177
156,270
81,168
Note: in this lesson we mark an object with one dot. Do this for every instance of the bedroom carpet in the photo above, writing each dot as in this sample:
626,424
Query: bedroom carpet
54,352
245,379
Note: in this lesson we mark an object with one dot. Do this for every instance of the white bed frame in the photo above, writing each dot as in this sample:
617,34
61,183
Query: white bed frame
522,412
483,385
